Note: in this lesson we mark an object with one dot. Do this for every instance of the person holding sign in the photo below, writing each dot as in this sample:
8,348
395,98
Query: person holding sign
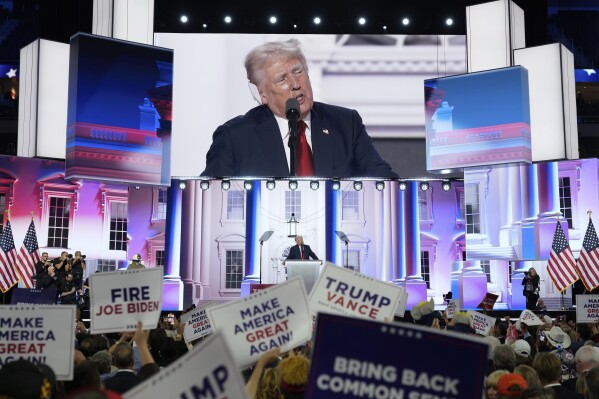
531,282
301,251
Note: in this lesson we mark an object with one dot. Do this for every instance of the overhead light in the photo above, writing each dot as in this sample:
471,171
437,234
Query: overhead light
336,184
184,19
402,185
449,21
273,20
137,187
362,20
446,185
204,184
247,185
225,185
294,26
379,185
405,21
317,20
204,26
270,184
293,185
314,184
424,185
228,19
182,185
357,185
384,27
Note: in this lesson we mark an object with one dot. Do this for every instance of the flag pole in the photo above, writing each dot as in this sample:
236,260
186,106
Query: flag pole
562,292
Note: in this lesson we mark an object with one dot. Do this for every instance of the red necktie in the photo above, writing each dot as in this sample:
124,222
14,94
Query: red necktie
305,166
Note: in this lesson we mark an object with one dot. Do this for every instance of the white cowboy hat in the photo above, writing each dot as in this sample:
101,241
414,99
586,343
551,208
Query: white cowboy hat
557,337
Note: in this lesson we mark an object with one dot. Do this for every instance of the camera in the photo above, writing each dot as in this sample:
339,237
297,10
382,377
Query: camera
82,256
526,273
70,256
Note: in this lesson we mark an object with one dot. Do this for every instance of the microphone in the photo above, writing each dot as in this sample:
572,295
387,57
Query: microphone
292,108
292,113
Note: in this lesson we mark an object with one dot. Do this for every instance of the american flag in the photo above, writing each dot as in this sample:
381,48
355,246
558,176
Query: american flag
562,265
28,256
8,257
588,261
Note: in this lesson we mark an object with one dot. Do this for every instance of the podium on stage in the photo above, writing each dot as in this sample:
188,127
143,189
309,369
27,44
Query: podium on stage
308,270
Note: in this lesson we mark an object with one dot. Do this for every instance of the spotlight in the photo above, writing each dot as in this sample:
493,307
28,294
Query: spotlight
357,185
273,20
184,19
317,21
270,184
403,186
182,185
225,185
384,27
405,21
204,26
294,26
228,19
247,185
380,185
204,184
336,185
137,187
446,186
314,184
362,20
293,185
424,185
449,21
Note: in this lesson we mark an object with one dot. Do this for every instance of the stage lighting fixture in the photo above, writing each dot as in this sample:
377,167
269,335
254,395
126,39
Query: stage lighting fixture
384,27
137,187
270,184
182,185
402,185
317,21
362,21
446,186
314,184
225,185
204,26
336,185
424,185
294,26
247,185
449,21
184,19
204,184
380,185
405,21
357,185
293,185
273,20
228,19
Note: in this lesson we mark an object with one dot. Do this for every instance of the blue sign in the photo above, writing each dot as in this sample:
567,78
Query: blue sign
26,296
397,360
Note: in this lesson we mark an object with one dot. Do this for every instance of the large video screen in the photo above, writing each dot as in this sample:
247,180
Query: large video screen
477,119
378,76
119,111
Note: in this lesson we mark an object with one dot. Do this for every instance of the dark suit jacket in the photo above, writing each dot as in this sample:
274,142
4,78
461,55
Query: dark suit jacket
122,381
562,393
251,145
294,253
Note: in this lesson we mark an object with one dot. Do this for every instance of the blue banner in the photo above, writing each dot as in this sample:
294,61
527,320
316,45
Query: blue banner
381,360
26,296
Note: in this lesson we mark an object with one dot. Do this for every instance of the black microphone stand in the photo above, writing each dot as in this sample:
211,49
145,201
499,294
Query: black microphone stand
293,133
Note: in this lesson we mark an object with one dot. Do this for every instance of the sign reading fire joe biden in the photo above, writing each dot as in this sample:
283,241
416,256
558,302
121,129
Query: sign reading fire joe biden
359,358
274,317
118,300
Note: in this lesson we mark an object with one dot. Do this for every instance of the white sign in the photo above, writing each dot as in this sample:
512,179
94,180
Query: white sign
118,300
452,308
400,311
197,324
481,322
587,308
41,334
345,292
274,317
208,371
530,319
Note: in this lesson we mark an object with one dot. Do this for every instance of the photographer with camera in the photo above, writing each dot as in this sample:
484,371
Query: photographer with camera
61,266
531,282
41,270
78,268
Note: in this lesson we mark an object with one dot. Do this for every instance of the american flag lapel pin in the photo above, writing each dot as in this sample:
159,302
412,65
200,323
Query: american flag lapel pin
325,131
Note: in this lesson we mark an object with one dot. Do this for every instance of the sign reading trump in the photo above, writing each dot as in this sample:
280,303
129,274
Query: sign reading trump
275,317
342,291
39,334
400,360
118,300
206,372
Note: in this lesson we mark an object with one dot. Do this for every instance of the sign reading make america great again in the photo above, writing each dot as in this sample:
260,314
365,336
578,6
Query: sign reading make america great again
207,372
274,317
40,334
118,300
343,291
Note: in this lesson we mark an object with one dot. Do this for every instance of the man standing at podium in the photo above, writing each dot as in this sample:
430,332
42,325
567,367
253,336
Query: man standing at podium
301,251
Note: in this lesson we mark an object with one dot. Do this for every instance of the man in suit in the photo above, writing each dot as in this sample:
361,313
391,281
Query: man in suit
256,144
125,378
301,251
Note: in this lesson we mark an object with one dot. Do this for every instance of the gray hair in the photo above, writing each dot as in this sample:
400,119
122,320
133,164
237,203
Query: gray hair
257,58
586,354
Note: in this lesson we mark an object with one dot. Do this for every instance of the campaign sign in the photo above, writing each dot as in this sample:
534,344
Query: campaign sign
587,308
452,309
343,291
208,371
197,324
482,323
488,301
275,317
39,334
358,358
530,319
118,300
29,296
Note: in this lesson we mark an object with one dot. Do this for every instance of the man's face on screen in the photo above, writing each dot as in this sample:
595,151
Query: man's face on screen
286,78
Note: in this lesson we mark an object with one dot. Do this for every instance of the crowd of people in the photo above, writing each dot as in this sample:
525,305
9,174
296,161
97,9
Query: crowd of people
64,275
